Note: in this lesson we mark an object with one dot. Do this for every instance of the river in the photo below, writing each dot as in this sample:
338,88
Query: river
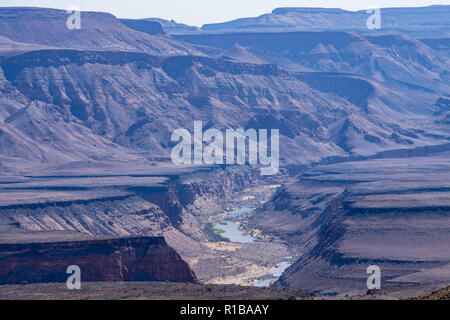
231,231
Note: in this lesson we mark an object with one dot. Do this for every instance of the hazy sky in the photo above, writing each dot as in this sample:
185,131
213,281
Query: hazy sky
199,12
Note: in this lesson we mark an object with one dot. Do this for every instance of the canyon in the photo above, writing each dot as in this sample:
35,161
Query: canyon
86,175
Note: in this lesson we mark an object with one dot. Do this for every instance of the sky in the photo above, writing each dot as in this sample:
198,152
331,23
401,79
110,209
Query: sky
199,12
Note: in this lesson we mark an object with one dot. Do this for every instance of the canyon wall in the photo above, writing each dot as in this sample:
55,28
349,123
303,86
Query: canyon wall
53,211
345,217
119,259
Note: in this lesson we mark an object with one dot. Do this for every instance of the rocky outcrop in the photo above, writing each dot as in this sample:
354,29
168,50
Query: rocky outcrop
119,259
114,216
133,101
140,206
176,207
429,21
343,218
150,27
99,31
165,198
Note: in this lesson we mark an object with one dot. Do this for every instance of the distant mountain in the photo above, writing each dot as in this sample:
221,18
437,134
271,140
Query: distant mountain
433,21
391,58
107,92
150,27
420,22
99,31
173,27
439,44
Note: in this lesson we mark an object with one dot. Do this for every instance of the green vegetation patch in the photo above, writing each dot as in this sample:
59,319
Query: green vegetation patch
214,234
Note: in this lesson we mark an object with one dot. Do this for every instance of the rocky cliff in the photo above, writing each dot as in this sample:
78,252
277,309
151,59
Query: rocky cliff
117,95
119,259
120,206
99,31
343,218
422,21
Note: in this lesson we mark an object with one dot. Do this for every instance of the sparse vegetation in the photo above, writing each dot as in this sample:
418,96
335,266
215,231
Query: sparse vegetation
214,234
147,290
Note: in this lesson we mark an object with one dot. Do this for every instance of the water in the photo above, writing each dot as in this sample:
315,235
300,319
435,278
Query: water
263,283
278,270
231,228
275,272
239,212
233,233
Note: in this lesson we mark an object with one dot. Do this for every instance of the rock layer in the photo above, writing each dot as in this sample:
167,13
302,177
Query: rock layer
119,259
